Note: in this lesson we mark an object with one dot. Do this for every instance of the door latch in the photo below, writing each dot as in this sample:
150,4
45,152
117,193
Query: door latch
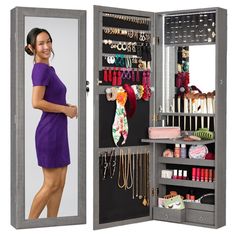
87,86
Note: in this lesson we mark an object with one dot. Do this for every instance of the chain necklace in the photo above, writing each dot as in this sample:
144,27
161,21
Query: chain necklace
140,177
121,173
136,173
129,172
144,179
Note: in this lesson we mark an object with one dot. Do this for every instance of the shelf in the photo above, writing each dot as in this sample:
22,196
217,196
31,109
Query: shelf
186,114
187,161
180,141
187,183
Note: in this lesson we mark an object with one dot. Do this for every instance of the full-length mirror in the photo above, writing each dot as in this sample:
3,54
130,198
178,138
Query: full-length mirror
48,117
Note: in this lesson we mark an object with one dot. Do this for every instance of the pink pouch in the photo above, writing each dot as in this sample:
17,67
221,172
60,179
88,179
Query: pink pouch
163,132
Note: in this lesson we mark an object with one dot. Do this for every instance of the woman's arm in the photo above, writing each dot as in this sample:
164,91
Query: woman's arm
38,102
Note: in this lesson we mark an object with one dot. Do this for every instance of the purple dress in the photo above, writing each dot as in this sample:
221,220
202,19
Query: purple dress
51,136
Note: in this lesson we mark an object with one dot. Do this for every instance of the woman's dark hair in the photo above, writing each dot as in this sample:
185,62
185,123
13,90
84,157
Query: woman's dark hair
31,39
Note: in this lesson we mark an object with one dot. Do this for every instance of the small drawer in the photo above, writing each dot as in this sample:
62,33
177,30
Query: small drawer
202,217
172,215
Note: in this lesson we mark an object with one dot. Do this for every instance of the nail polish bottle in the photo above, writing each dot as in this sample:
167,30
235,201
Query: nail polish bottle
180,174
185,174
175,175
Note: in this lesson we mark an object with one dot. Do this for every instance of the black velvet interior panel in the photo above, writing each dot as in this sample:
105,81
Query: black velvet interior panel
112,22
138,124
117,204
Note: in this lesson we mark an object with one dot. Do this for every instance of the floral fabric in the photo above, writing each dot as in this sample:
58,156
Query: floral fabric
120,124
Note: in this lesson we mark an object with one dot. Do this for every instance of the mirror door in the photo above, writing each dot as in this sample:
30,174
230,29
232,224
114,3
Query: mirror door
48,131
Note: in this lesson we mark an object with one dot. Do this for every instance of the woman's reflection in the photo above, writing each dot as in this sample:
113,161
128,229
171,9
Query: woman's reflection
51,138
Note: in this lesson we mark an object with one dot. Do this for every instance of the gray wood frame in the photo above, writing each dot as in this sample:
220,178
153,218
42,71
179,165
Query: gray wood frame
18,15
206,216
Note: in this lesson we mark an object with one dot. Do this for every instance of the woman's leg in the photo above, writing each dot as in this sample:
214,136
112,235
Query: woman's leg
51,184
55,199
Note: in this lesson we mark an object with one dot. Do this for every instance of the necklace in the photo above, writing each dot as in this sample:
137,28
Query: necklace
147,191
133,162
144,179
105,165
121,173
129,172
136,173
112,163
140,177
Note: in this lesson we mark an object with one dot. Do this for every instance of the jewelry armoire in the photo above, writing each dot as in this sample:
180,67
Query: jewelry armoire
128,177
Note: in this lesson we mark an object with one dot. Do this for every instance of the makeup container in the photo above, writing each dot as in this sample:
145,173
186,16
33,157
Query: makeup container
198,176
177,151
210,175
175,175
180,174
202,174
194,172
185,174
183,151
206,175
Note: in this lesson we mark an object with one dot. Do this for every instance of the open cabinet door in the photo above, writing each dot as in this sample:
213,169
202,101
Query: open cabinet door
68,60
123,62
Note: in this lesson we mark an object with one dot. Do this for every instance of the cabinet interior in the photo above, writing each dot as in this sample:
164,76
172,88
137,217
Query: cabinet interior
182,70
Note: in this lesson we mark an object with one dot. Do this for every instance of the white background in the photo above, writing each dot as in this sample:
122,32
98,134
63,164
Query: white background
152,227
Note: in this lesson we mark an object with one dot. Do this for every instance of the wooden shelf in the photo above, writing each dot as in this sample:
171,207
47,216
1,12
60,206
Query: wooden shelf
186,161
179,141
186,114
187,183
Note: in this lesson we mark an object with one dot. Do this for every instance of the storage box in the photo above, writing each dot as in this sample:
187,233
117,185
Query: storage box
163,132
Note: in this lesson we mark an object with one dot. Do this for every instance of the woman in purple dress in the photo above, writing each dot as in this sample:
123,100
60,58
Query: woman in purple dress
51,138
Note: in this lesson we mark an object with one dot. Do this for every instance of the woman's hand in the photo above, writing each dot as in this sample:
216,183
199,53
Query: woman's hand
71,111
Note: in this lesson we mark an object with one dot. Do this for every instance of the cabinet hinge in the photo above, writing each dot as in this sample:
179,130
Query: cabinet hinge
153,40
99,82
153,192
156,40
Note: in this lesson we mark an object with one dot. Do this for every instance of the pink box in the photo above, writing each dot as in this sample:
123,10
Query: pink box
163,132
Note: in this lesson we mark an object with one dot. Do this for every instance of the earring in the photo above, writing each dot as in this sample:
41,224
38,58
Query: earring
109,75
132,75
144,81
119,81
137,75
114,77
